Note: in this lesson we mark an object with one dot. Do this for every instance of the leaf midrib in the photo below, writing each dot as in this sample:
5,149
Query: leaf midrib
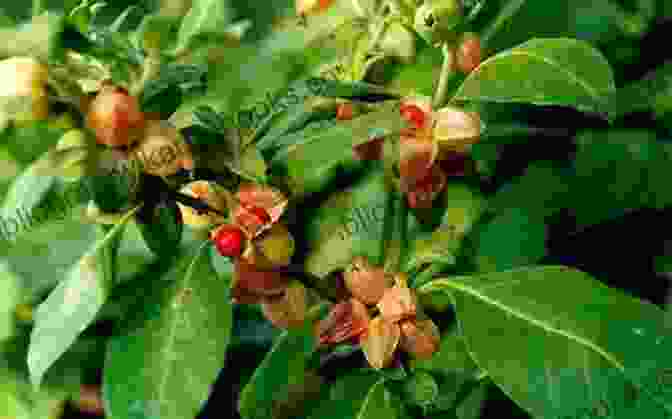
549,329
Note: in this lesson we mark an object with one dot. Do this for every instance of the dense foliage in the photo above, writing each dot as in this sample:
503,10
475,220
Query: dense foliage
335,208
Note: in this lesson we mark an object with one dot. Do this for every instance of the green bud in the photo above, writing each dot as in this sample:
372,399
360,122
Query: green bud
436,20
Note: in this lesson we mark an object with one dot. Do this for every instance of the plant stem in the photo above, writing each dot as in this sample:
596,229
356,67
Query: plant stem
37,7
388,226
446,73
402,231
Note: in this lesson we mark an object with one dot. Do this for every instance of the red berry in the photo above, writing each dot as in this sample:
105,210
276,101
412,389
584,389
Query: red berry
229,240
345,112
115,117
413,114
469,54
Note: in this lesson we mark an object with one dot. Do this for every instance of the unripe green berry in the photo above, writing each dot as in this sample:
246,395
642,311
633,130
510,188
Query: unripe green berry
399,42
436,20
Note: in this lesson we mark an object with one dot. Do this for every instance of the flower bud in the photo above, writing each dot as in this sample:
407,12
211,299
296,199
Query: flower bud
229,240
251,285
346,320
456,129
436,20
419,338
273,249
311,7
366,282
23,89
289,310
115,117
398,302
208,193
399,42
469,53
380,341
163,151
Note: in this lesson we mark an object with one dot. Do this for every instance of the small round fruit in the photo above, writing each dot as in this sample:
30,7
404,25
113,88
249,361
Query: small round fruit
115,117
345,112
311,7
436,20
229,240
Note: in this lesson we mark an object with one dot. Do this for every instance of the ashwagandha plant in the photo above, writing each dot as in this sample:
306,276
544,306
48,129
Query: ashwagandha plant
351,207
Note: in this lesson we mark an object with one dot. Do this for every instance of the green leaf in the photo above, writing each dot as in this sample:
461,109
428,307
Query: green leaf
9,297
161,227
28,191
542,191
358,395
421,389
619,171
348,224
550,338
313,163
159,32
562,72
282,368
166,359
206,17
598,21
513,238
72,306
643,94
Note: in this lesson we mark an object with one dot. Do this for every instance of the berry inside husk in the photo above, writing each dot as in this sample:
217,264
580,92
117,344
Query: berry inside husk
413,114
228,240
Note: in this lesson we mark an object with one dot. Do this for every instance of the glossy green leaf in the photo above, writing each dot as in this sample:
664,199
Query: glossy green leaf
641,95
165,360
550,338
358,395
161,227
204,18
316,161
283,367
542,191
618,171
518,20
513,238
547,71
72,306
159,32
348,224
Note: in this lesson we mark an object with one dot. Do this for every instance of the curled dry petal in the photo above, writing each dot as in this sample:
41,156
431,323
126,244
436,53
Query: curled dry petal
251,285
366,282
419,338
346,320
423,193
370,150
417,155
456,129
271,250
398,302
208,193
380,341
288,310
258,207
